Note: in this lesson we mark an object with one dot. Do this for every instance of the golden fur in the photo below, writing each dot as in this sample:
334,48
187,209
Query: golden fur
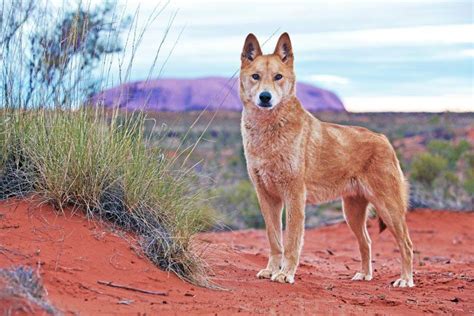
294,159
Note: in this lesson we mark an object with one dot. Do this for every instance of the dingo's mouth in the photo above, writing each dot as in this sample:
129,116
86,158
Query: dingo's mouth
265,105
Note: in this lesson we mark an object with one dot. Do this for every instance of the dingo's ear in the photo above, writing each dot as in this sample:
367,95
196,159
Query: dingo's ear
251,49
284,50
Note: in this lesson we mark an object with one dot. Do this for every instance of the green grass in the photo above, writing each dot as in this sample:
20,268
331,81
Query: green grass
101,164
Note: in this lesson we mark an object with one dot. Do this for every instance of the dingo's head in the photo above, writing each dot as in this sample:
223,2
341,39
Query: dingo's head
266,80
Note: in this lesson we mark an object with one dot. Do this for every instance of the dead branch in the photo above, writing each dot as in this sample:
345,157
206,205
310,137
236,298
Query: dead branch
126,287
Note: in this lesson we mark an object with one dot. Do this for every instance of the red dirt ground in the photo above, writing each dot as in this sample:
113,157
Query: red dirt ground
73,254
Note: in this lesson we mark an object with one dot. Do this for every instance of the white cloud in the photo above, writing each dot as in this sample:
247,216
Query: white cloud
467,53
403,36
327,79
311,43
440,103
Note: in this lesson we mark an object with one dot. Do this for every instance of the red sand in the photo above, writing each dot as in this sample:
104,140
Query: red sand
73,254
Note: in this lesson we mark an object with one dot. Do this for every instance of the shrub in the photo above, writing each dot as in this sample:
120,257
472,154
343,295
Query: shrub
57,52
449,151
443,177
239,202
469,185
469,176
426,167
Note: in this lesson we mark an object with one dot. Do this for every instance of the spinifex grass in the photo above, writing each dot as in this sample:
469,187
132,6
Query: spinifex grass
100,164
24,282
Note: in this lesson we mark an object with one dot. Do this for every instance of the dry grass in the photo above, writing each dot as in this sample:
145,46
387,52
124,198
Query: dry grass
23,288
101,165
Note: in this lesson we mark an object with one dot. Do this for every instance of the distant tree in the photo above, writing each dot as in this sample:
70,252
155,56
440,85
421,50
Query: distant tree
57,59
13,16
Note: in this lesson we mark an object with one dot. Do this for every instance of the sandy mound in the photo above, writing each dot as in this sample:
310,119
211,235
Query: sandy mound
78,259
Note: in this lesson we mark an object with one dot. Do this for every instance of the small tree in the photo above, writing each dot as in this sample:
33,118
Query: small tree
50,61
241,203
469,177
449,151
427,167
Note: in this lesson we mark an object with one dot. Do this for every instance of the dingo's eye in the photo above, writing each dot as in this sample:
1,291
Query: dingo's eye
256,76
278,77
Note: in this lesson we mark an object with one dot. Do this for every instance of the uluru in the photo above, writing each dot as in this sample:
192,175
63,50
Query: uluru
211,93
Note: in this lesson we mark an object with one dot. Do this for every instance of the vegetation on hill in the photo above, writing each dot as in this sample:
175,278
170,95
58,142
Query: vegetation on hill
443,176
435,150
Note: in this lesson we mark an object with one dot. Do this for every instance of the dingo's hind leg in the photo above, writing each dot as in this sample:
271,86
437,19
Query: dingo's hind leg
389,199
355,212
393,216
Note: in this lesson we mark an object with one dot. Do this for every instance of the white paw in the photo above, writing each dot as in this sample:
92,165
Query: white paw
264,274
283,277
359,276
404,283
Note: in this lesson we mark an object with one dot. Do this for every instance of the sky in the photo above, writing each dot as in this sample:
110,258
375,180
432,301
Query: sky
377,55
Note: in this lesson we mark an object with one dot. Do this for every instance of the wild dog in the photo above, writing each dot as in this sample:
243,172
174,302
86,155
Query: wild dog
293,159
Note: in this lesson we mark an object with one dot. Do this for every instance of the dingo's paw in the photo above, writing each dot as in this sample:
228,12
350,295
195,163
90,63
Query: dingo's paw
283,277
265,274
359,276
404,282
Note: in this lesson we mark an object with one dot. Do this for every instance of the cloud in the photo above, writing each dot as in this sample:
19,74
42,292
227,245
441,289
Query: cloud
420,103
403,36
467,52
327,79
309,44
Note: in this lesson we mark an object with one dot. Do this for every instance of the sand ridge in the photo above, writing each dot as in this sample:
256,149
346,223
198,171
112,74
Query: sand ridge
76,257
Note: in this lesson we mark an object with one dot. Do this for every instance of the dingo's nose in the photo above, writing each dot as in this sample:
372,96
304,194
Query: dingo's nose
265,97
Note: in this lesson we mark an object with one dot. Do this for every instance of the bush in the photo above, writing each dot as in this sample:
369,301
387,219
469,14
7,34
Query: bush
240,204
449,151
469,177
426,167
444,176
469,185
57,52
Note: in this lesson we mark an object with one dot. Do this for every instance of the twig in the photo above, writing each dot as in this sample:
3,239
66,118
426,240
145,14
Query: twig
125,287
14,252
9,226
85,287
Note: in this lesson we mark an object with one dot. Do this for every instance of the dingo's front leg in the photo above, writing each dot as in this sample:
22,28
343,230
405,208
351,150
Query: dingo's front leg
295,206
271,208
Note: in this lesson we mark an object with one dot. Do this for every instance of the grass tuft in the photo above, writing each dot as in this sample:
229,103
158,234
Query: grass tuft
23,282
100,163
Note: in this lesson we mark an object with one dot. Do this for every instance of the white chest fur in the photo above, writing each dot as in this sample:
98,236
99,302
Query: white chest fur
272,156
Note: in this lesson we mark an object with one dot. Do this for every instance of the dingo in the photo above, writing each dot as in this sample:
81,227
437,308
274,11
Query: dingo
294,159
